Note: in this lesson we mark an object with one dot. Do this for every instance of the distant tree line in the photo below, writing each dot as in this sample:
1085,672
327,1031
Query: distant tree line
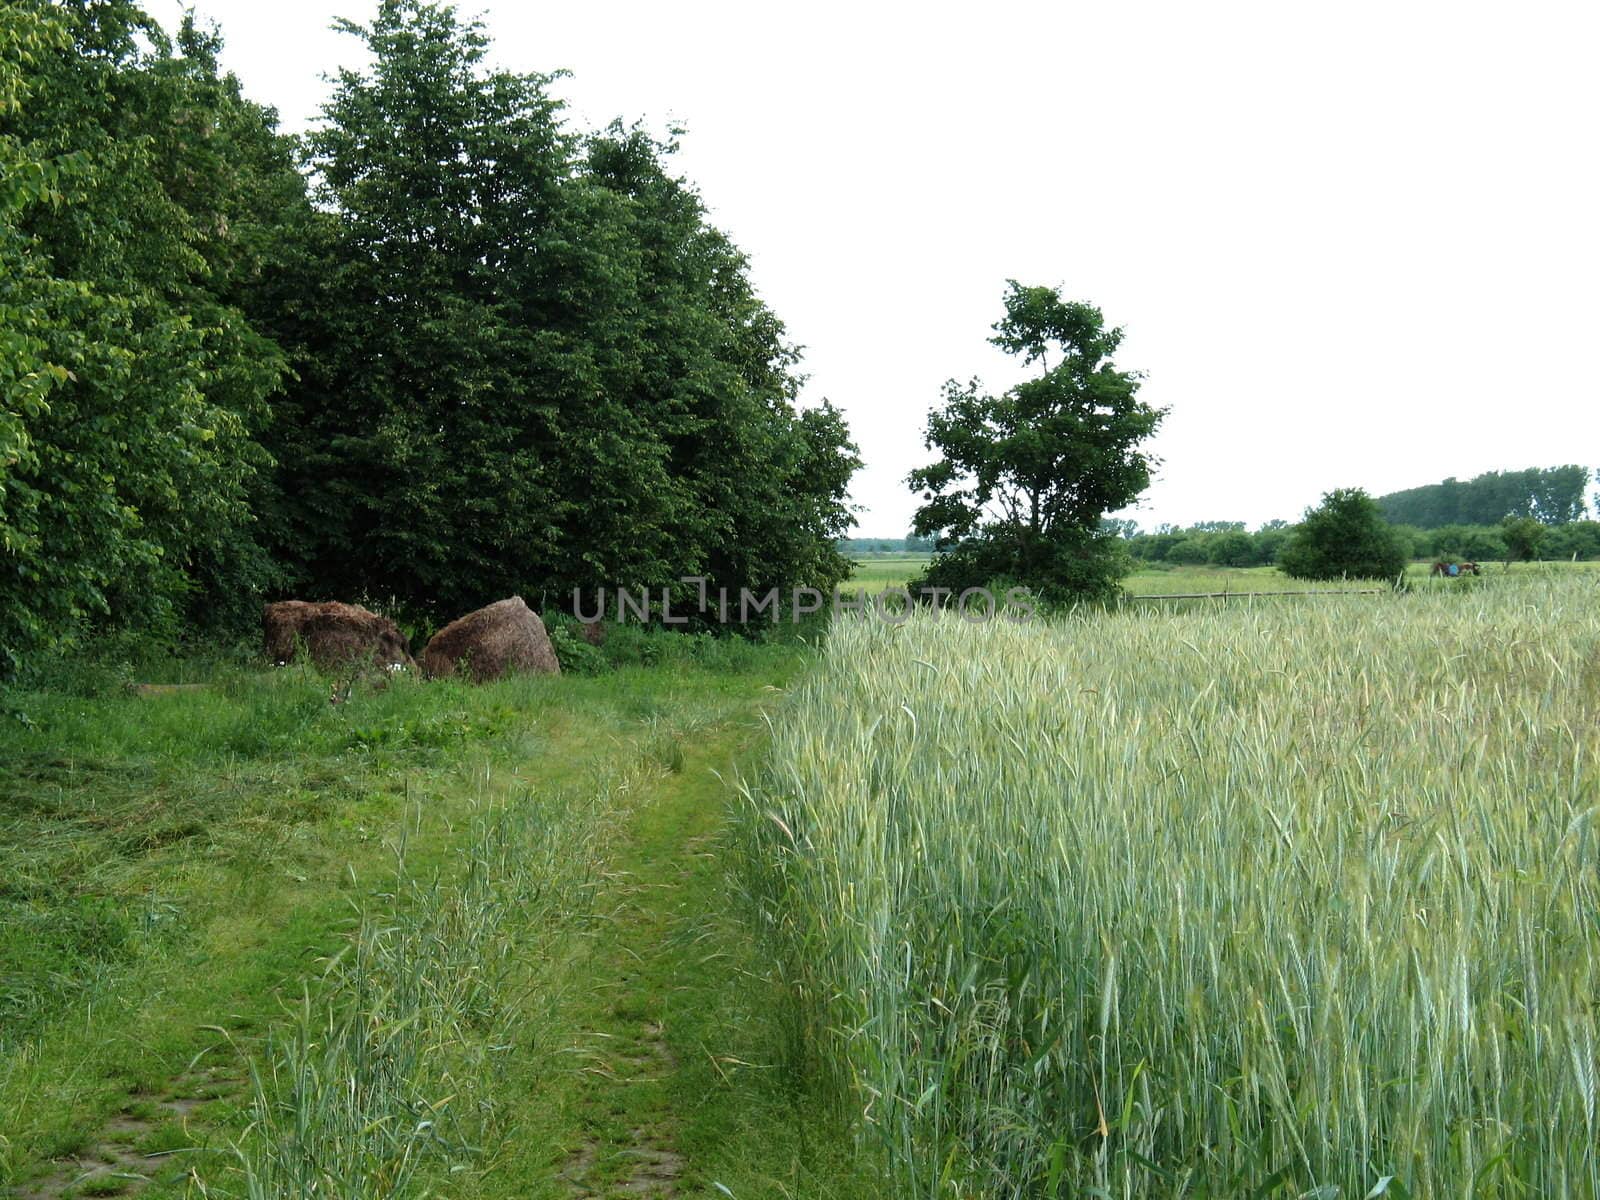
1228,544
445,348
906,545
1213,543
1549,495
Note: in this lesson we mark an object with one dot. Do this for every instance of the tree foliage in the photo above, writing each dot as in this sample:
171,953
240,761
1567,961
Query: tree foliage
485,353
1550,495
132,387
1345,537
1522,536
553,372
1024,478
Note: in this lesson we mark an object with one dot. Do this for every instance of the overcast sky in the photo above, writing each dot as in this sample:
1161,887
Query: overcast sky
1351,245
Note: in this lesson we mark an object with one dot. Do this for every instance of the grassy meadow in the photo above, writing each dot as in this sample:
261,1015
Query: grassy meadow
434,939
1259,900
875,572
1278,898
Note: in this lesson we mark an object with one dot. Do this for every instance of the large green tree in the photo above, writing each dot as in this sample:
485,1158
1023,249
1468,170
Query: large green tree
494,355
764,482
132,386
526,361
1344,537
1025,477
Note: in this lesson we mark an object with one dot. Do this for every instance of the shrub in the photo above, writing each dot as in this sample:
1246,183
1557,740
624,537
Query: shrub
1345,537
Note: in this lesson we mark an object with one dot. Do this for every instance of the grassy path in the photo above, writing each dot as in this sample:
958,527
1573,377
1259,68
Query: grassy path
670,1086
634,980
179,872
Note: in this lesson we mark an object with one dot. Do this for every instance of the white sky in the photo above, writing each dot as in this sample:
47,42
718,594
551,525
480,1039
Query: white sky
1351,245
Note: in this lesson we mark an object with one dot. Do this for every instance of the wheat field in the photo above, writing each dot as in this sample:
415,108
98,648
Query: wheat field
1283,899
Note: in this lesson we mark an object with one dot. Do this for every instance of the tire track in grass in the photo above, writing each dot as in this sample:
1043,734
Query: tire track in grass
628,1141
675,1089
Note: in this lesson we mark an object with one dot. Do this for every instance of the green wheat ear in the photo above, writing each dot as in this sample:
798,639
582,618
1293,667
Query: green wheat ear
1274,899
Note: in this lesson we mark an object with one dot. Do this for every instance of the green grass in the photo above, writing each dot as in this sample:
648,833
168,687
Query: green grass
1289,900
275,940
876,572
1163,580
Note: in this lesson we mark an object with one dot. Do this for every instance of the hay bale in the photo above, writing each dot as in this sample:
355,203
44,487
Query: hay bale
503,638
333,635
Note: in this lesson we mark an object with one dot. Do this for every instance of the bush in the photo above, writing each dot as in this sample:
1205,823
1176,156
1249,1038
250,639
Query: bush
1522,536
1188,552
1579,539
1234,548
1477,542
1345,537
576,656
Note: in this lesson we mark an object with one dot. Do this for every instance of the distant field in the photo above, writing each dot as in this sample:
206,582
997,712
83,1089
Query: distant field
1163,581
1290,899
877,572
1177,580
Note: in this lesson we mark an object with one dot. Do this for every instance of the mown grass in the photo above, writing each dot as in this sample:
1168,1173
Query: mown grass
1283,899
178,870
283,942
386,1082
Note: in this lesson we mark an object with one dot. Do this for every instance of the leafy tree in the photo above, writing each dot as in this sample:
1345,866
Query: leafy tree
1190,551
1270,540
1153,547
1024,478
1558,494
551,371
1522,536
1344,537
132,387
764,483
1231,548
1478,542
1577,539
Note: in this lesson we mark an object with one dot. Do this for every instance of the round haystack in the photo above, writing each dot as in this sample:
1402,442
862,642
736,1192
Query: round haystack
504,638
332,635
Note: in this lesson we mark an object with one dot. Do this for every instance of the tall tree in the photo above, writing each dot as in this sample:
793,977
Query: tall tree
766,483
128,495
550,372
1025,477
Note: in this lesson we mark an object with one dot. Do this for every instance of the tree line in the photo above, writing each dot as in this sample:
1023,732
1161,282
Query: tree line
911,544
445,347
1230,544
1549,495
